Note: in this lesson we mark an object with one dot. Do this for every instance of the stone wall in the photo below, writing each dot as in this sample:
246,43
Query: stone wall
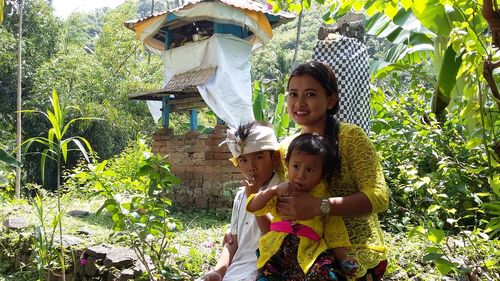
208,179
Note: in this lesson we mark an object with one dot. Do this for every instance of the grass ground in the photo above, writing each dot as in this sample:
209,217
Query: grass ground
200,239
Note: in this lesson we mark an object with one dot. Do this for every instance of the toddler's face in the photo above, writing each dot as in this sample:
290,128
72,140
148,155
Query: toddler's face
304,170
258,166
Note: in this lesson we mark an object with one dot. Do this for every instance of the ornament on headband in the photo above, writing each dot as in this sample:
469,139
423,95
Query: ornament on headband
235,143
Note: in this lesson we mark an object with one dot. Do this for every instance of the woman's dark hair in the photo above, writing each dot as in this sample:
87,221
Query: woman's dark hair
325,76
315,144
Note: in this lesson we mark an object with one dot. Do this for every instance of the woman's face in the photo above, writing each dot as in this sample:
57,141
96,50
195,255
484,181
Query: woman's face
308,103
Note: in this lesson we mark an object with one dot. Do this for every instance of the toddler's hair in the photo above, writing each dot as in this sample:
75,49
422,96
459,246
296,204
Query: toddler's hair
314,144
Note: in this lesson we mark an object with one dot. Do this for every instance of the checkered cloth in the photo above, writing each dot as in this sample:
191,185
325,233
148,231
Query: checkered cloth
349,60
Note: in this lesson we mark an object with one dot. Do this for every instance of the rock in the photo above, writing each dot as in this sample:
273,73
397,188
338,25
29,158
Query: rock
84,231
98,251
68,240
139,267
78,213
16,223
127,274
119,258
90,267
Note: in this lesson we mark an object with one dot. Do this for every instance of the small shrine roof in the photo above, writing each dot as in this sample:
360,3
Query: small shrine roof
181,90
241,4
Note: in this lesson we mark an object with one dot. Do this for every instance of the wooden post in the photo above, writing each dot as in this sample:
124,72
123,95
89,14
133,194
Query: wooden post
165,111
193,121
19,102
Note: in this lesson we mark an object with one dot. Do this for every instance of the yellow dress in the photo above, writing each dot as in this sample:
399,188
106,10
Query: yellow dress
309,250
360,171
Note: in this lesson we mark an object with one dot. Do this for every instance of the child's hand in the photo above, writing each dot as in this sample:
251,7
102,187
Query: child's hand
212,276
250,187
350,266
283,189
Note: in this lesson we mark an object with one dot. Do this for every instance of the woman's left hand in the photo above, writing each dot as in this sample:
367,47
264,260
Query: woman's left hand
298,206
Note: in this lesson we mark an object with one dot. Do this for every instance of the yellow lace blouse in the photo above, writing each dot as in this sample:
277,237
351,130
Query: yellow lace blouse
309,250
360,171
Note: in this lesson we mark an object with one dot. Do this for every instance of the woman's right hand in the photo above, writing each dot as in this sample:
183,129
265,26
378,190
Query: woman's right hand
298,206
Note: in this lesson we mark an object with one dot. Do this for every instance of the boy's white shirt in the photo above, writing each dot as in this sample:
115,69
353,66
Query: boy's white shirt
244,226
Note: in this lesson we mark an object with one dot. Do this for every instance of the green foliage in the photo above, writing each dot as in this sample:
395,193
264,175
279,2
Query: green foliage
271,110
7,183
2,4
45,253
5,157
136,198
430,166
12,244
56,143
40,37
56,146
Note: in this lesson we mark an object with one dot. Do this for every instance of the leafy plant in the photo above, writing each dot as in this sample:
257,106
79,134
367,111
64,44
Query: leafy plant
141,210
45,252
274,112
56,148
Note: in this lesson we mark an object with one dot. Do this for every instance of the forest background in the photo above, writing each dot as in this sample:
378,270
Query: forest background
435,110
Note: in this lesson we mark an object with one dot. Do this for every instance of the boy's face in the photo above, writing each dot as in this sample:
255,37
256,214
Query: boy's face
304,170
257,166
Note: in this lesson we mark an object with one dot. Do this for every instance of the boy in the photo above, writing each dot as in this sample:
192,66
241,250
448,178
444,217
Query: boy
255,152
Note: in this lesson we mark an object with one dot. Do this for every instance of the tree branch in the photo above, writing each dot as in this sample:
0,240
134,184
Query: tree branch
488,68
492,17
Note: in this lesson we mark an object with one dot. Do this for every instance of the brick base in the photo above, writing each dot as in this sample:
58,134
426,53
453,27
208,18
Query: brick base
208,178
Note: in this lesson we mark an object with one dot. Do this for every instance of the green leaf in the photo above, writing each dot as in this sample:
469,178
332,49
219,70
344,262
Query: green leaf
490,263
447,79
432,249
433,16
391,9
436,235
417,230
108,202
81,148
495,184
433,208
432,257
444,266
5,157
407,4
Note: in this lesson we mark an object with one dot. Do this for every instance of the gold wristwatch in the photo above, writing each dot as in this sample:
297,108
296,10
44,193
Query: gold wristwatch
325,207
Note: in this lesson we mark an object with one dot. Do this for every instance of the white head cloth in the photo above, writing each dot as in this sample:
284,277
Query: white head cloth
260,138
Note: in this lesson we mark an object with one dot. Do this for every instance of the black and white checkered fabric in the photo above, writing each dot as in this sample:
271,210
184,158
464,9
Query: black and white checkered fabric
349,60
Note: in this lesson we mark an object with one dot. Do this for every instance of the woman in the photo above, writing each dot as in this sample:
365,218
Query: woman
358,187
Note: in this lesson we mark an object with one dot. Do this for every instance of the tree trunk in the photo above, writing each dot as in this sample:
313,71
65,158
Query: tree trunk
297,38
492,16
18,101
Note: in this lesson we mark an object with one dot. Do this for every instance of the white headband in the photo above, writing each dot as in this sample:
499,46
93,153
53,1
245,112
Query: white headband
260,138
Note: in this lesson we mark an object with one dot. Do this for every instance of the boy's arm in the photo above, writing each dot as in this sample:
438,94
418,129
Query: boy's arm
261,198
225,259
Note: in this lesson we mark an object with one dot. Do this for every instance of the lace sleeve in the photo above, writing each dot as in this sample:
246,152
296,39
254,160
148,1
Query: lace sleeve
335,233
364,165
